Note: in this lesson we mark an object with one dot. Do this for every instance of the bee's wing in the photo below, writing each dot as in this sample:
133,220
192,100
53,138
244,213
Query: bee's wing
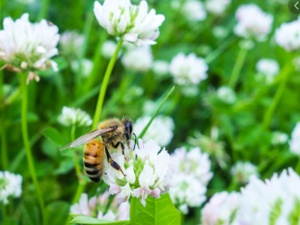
87,137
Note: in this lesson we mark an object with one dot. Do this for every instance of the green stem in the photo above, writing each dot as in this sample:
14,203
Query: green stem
298,166
213,55
4,155
76,163
105,84
43,10
237,67
155,114
270,111
27,145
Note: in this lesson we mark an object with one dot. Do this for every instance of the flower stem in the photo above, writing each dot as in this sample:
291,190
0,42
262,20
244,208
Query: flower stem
4,156
77,166
269,113
44,9
27,145
237,67
213,55
105,84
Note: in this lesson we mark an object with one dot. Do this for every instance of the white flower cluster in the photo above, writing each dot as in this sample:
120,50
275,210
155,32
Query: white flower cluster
279,137
192,10
70,42
295,140
138,59
191,174
26,46
220,209
252,22
217,7
97,205
160,130
287,35
275,201
267,67
73,116
130,22
242,171
188,70
10,186
147,170
226,95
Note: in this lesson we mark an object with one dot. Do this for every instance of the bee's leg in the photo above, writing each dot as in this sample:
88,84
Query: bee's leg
112,162
135,141
122,146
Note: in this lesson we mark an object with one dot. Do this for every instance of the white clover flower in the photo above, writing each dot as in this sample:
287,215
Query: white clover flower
138,59
160,67
220,31
130,22
267,67
217,7
26,46
108,49
147,170
188,70
287,35
252,22
160,130
192,10
279,138
242,171
295,140
191,174
220,209
226,95
275,200
97,205
73,116
10,186
70,42
86,64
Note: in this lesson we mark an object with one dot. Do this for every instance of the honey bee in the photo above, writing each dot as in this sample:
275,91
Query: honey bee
113,132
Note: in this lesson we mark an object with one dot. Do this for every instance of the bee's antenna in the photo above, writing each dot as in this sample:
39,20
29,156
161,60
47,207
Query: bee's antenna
134,140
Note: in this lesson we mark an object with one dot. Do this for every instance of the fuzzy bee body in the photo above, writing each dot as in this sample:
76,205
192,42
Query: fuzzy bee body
113,133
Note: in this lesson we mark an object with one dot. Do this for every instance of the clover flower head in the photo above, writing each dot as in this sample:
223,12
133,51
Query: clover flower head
138,59
217,7
277,198
160,67
252,22
287,35
74,116
191,174
267,67
279,138
28,47
226,95
108,48
188,70
69,42
130,22
295,140
242,171
160,130
221,209
10,186
147,170
84,66
96,206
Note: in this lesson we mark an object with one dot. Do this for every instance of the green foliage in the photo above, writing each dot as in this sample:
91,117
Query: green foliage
82,219
157,211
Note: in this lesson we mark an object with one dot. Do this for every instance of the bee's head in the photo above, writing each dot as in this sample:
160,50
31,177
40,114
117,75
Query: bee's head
128,128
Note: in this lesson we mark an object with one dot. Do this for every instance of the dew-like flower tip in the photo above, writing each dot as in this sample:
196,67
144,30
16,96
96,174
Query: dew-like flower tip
26,46
130,22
